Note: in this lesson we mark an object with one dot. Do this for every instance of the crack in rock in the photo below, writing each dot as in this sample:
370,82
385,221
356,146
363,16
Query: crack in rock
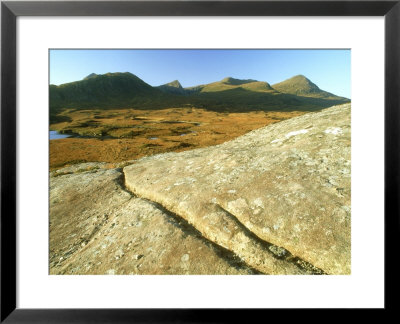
244,244
296,195
180,222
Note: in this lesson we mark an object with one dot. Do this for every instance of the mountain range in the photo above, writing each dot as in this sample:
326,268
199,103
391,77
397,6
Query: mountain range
125,90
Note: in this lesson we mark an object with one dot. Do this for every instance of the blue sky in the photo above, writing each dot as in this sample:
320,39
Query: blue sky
329,69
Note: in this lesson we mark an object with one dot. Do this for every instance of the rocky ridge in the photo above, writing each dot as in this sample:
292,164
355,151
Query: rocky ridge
274,201
126,90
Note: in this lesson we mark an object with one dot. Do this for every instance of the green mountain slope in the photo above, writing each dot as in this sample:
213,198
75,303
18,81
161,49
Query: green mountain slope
244,95
299,85
173,87
125,90
108,90
230,84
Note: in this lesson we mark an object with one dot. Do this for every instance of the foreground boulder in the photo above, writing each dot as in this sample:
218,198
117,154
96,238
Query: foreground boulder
277,197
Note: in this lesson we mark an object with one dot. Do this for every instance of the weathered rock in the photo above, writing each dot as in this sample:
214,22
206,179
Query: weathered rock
277,197
81,167
73,219
96,227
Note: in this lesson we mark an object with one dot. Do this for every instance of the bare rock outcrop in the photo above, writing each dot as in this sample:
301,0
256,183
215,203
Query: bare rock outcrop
278,197
96,227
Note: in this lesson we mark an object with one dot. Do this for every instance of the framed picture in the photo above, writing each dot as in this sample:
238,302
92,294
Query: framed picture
38,39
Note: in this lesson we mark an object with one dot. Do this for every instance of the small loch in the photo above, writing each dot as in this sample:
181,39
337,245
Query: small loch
56,135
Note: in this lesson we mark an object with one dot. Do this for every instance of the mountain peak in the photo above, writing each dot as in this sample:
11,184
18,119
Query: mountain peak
103,90
301,78
233,81
228,79
298,85
90,76
173,87
110,74
175,84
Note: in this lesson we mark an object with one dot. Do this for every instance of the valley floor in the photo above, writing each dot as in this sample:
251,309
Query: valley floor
115,136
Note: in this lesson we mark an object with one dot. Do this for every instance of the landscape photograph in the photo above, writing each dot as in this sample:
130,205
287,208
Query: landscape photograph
199,162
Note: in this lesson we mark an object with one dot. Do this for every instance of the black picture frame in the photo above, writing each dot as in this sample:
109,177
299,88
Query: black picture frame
10,10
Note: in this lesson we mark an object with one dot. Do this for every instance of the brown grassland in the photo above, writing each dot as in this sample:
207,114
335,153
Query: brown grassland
126,134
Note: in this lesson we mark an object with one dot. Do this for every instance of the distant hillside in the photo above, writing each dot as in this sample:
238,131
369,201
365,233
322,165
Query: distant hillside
299,85
230,84
173,87
240,95
106,90
125,90
91,75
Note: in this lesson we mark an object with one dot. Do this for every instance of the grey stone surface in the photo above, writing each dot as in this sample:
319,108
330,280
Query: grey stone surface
287,184
96,227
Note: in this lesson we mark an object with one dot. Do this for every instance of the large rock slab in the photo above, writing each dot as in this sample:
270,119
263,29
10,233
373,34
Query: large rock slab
278,197
81,203
96,227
